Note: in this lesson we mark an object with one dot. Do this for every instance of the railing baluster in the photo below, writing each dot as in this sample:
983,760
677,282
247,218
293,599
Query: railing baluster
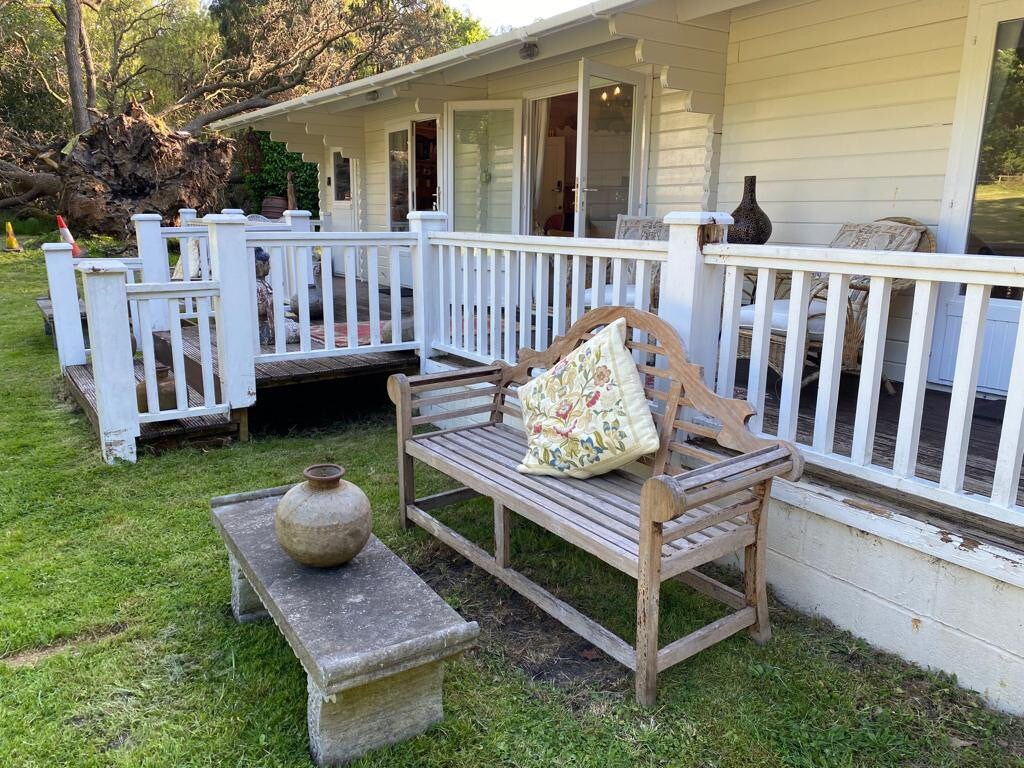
467,299
351,299
597,282
915,377
327,293
558,297
642,301
444,299
149,358
455,281
525,301
373,292
871,364
796,349
480,321
177,354
395,284
541,300
732,296
206,351
965,385
509,315
1006,479
494,306
300,258
619,282
579,282
759,345
277,286
831,364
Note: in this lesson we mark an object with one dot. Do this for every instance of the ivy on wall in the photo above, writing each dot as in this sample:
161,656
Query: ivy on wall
272,177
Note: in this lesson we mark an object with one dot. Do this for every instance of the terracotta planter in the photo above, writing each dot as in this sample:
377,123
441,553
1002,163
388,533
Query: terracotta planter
165,391
324,521
274,207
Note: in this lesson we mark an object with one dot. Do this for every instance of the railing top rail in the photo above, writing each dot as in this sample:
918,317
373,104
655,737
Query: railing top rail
173,290
654,250
169,232
940,267
327,238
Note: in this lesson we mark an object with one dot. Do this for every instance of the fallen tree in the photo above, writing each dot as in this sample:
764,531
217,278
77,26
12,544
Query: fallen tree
121,165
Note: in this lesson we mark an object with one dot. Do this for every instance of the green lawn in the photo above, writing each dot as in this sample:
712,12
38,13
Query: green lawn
117,645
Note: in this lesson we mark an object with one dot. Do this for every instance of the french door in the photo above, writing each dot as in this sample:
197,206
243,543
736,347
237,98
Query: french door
610,147
983,210
483,147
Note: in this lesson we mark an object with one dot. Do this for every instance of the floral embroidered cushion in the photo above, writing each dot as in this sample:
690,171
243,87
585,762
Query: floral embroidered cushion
588,415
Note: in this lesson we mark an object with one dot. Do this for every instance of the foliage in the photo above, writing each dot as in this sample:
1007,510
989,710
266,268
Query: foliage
272,178
1002,147
117,647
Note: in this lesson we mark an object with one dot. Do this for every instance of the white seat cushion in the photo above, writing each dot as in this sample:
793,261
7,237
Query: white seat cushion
780,317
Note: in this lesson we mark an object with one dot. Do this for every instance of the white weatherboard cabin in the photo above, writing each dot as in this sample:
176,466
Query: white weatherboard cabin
907,528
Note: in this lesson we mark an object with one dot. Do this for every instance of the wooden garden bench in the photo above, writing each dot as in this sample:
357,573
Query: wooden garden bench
653,522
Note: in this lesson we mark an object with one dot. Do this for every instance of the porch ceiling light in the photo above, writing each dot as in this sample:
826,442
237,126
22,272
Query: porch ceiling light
373,95
529,51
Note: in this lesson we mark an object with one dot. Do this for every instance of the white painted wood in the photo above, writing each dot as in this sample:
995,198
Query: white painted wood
153,252
300,258
868,387
511,294
525,299
177,354
278,270
597,282
273,357
204,313
235,308
831,362
431,320
965,385
494,310
732,297
1011,439
541,316
351,307
579,278
327,293
760,339
106,304
793,360
908,431
480,303
466,269
395,288
67,320
373,291
148,361
455,290
559,286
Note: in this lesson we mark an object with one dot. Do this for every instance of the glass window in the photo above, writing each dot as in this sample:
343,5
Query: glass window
398,179
997,212
484,170
342,178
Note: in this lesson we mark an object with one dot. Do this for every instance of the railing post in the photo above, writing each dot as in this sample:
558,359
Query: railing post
426,287
113,369
298,221
234,309
691,291
155,269
67,315
187,216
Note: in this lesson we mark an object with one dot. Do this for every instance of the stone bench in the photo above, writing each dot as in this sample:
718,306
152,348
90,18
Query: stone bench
371,635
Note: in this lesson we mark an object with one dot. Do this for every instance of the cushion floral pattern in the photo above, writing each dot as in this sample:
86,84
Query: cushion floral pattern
588,415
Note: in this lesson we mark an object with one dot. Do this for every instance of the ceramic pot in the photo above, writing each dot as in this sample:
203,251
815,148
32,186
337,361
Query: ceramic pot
751,225
324,521
165,391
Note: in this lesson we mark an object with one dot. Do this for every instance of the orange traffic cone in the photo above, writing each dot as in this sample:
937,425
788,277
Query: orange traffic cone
12,241
65,235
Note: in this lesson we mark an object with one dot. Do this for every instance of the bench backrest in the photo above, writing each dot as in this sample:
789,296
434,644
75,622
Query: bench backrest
674,386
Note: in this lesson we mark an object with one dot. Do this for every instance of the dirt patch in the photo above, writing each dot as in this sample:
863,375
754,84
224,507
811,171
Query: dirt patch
517,632
32,656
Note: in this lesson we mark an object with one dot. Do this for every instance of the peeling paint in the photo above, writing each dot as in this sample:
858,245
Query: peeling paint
867,506
915,624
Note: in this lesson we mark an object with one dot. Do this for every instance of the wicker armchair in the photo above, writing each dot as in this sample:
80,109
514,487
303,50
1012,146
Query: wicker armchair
856,314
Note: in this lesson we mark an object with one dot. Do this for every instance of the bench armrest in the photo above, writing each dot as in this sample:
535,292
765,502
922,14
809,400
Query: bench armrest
402,387
666,497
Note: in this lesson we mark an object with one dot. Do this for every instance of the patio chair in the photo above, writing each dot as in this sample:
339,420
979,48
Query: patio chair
859,236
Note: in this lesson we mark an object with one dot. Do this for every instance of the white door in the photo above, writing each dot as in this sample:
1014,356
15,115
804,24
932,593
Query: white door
483,166
983,209
343,209
610,145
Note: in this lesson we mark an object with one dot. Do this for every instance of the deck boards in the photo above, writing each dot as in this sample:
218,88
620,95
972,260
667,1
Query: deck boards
83,388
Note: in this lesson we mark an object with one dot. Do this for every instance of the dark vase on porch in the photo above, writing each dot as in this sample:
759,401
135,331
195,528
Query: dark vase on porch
751,225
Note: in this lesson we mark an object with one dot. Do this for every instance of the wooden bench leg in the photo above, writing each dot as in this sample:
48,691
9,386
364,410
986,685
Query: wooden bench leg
756,588
245,603
502,523
648,595
406,482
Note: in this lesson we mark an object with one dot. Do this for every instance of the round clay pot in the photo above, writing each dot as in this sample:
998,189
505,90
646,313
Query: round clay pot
324,521
166,396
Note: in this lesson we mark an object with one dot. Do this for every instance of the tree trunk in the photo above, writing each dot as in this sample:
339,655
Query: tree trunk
80,119
90,72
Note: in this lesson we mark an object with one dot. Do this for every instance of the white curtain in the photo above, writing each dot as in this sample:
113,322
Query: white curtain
541,113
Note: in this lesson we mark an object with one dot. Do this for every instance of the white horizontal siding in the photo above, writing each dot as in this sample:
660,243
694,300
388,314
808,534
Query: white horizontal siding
843,111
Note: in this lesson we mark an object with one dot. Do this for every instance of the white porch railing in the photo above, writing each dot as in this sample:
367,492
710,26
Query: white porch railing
927,271
108,296
495,294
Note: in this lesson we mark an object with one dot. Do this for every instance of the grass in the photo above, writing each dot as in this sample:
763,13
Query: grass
117,647
998,216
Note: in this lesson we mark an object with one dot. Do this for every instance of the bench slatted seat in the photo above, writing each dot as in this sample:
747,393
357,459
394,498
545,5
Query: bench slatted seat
654,521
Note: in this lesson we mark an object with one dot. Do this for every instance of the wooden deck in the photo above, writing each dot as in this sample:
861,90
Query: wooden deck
984,444
79,380
46,309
